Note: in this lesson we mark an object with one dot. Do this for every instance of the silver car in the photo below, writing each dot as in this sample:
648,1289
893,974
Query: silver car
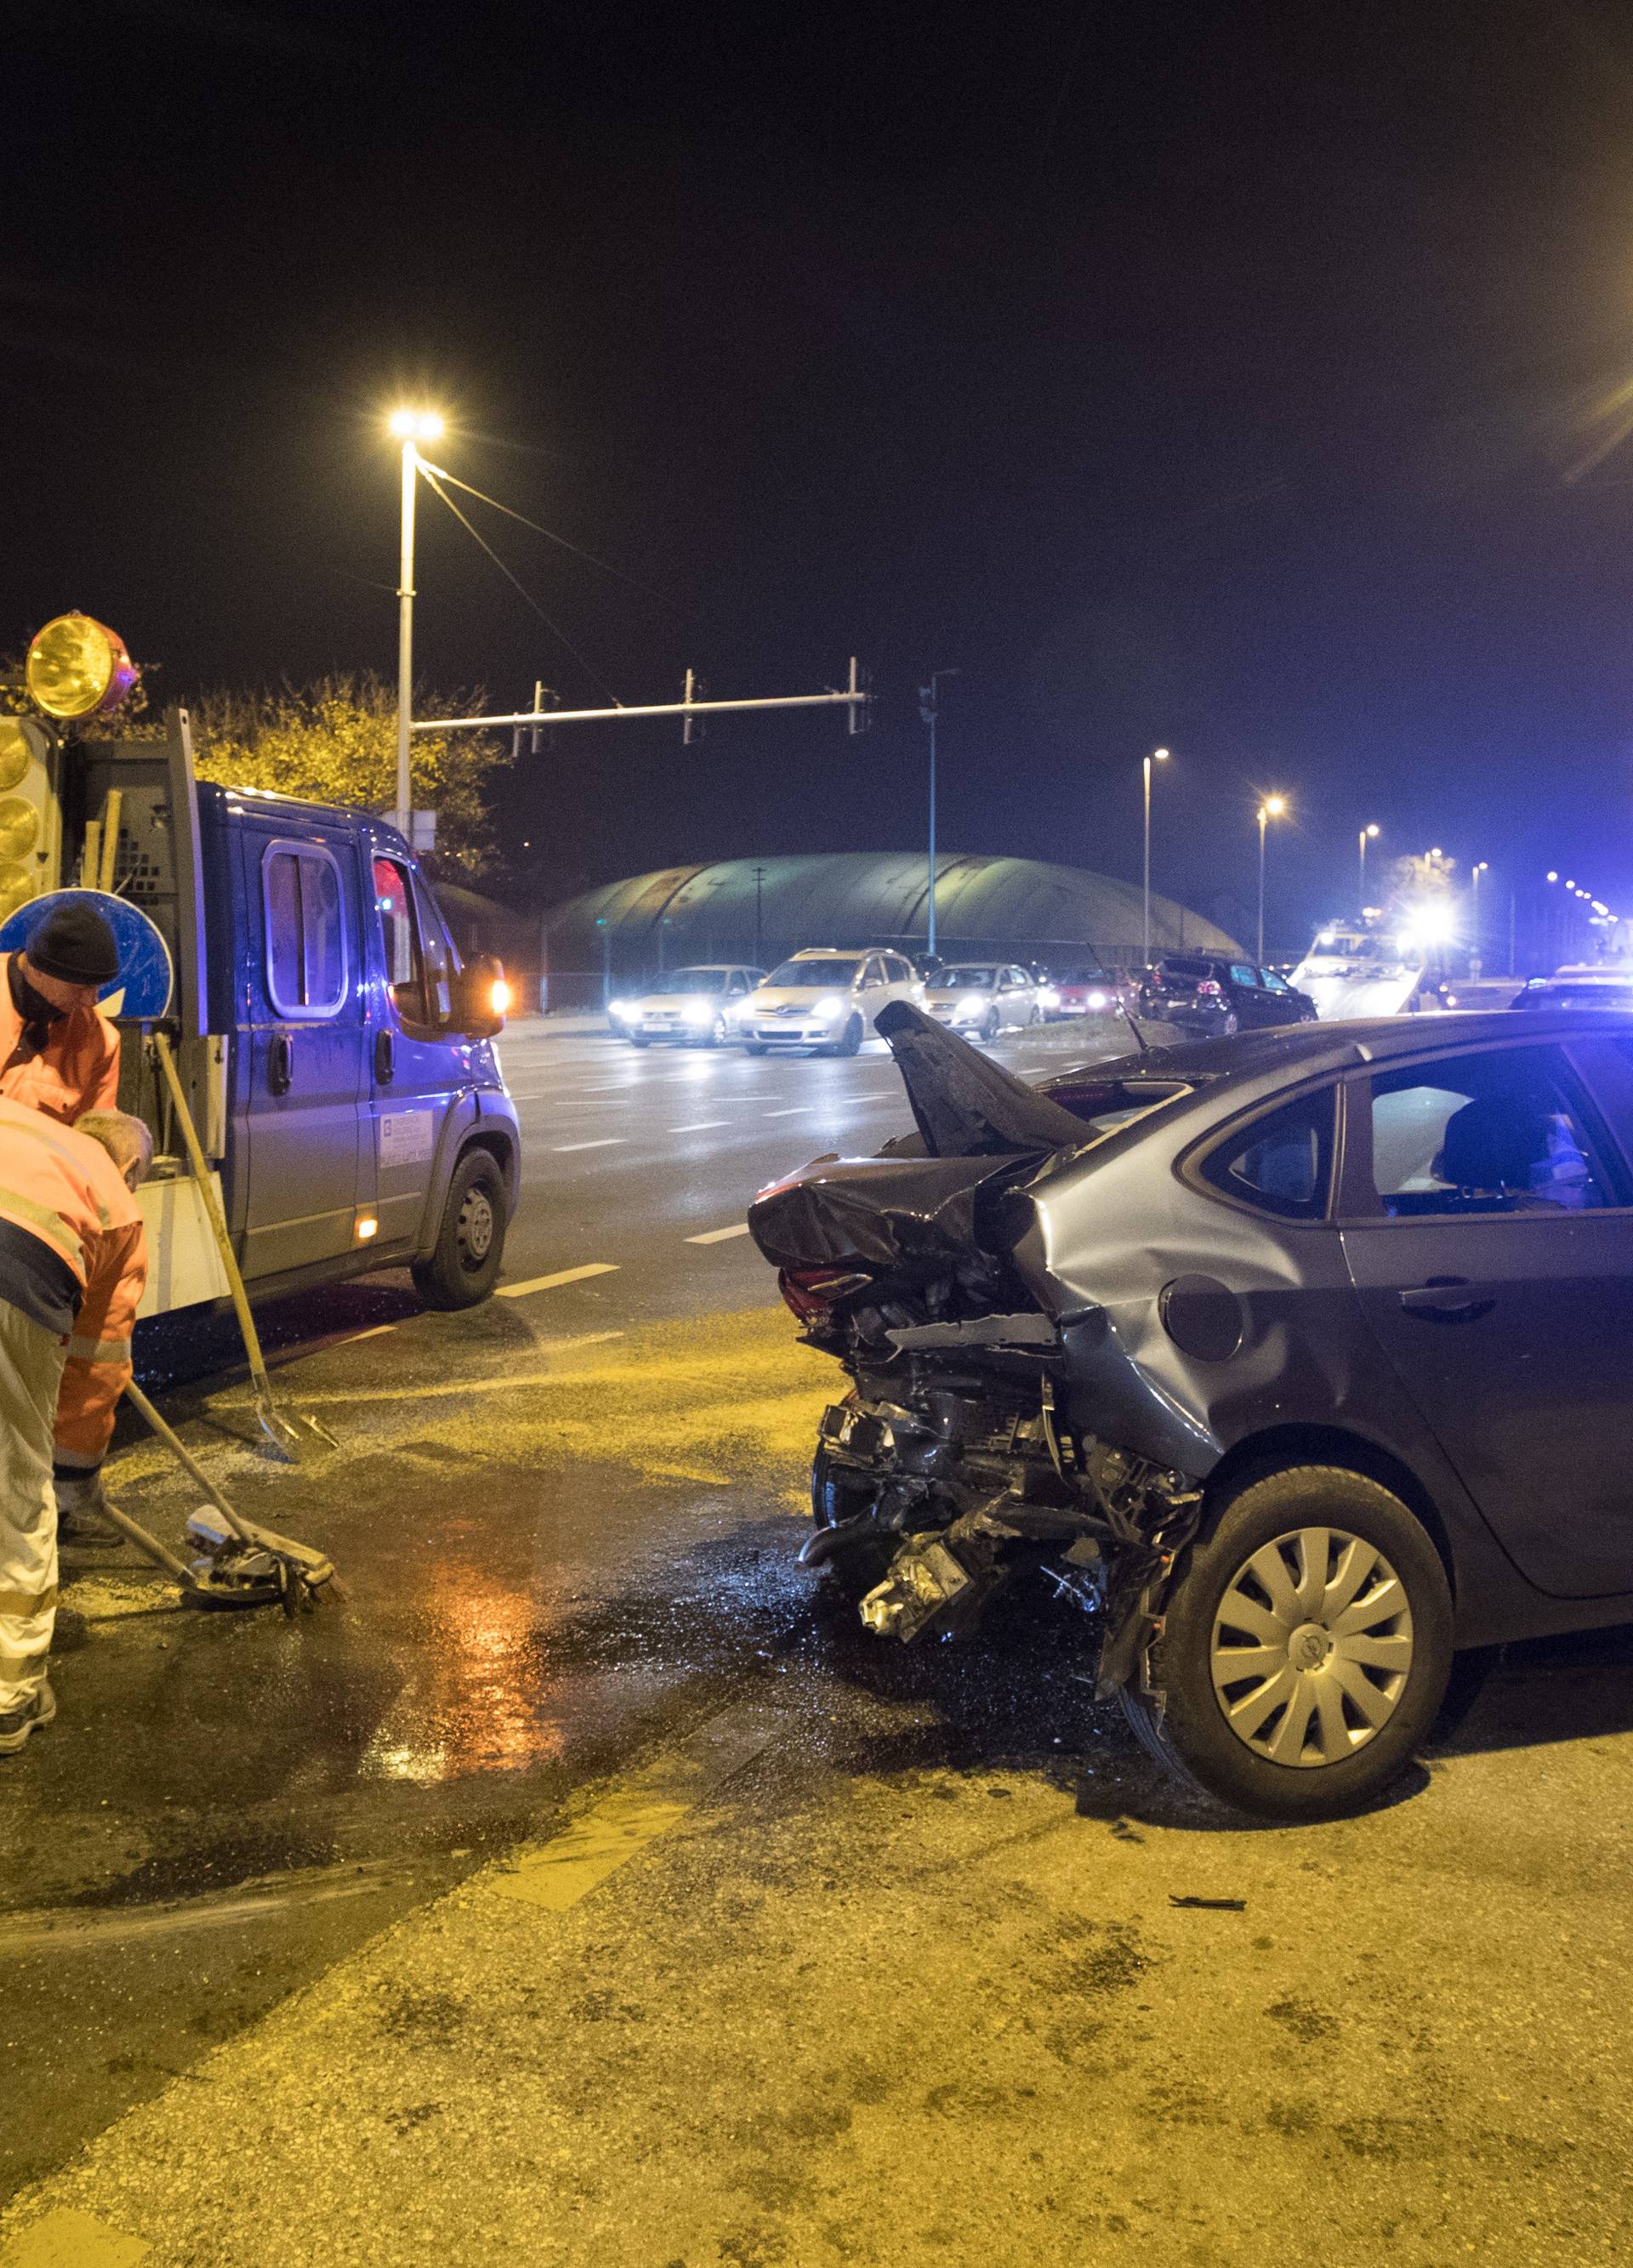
699,1007
980,997
826,999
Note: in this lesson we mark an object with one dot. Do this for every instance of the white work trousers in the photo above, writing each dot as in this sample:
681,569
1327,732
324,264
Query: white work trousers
31,1375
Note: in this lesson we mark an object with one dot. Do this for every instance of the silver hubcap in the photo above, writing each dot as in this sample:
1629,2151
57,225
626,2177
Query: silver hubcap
1311,1648
476,1226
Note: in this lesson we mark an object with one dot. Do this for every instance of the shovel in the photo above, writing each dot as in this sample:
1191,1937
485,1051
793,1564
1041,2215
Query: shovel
286,1437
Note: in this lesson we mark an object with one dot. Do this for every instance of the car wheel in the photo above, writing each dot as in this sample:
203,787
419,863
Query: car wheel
1304,1647
850,1040
638,1039
1231,1024
837,1494
716,1036
463,1265
1035,1015
987,1027
754,1047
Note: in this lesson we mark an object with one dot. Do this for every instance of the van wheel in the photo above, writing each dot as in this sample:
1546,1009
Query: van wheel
1304,1650
463,1265
850,1040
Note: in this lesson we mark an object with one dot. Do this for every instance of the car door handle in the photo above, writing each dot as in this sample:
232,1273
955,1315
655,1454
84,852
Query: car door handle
1443,1299
280,1063
385,1055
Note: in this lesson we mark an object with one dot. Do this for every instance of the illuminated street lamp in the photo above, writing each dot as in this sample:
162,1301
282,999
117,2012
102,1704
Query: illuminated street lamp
1368,834
1159,756
411,427
1274,807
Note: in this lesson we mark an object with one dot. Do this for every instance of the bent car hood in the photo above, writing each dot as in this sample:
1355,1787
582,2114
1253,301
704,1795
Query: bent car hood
965,1106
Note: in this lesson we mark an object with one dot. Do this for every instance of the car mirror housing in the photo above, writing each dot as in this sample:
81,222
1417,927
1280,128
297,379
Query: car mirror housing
481,997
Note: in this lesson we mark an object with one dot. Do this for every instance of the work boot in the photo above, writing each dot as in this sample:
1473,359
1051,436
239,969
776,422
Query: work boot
81,1510
26,1717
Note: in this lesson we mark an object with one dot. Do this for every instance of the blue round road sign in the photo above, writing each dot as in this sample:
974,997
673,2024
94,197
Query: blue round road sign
146,981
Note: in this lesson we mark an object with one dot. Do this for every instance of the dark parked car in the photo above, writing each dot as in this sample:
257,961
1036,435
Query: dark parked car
1578,988
1298,1359
1211,997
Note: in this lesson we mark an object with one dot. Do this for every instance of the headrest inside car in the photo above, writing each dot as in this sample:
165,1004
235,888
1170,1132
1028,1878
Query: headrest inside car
1492,1144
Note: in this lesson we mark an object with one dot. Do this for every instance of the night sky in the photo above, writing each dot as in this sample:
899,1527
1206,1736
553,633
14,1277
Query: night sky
1243,378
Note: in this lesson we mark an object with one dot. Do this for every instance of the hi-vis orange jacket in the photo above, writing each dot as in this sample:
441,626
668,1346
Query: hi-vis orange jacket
79,1070
64,1188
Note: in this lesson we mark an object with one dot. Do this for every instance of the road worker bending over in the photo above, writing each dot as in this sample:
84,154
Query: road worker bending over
58,1051
73,1262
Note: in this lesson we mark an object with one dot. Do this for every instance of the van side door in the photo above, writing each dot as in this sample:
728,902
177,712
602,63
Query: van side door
304,1036
420,1070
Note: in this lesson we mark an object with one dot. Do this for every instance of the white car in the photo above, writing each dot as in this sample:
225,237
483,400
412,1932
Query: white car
826,999
699,1007
980,997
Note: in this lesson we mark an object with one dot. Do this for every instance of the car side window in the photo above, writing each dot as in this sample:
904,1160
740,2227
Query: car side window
1501,1132
1281,1163
305,935
1241,974
1274,984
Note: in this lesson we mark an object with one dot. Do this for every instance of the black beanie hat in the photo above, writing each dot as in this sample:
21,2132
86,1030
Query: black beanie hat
75,945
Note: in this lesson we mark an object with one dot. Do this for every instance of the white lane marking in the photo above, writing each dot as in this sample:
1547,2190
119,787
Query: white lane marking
606,1142
793,1112
700,1126
378,1331
719,1235
566,1275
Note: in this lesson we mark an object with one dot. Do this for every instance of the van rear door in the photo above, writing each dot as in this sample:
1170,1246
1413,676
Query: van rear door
306,1041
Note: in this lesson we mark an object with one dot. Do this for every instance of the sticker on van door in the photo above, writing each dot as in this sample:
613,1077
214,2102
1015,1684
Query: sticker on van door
405,1137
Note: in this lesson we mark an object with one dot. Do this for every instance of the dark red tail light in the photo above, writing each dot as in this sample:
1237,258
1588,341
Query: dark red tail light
810,1293
1207,985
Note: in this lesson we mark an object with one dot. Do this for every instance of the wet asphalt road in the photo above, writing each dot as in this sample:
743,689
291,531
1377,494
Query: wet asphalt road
505,1634
921,1941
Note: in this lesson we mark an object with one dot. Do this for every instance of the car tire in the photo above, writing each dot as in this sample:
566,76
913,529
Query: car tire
463,1266
837,1494
850,1040
716,1035
754,1047
1231,1025
1357,1727
988,1028
638,1039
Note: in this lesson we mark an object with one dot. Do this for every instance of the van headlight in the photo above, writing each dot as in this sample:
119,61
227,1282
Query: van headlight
829,1006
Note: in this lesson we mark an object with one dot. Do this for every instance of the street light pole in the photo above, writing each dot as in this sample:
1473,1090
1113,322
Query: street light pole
1272,807
1477,872
1157,755
927,712
411,427
1368,834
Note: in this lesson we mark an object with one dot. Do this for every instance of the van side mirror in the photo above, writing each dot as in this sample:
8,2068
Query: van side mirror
482,996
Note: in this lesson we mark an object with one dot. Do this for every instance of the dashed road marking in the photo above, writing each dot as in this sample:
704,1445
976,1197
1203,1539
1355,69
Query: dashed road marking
65,2239
557,1874
564,1276
378,1331
700,1126
793,1111
719,1235
606,1142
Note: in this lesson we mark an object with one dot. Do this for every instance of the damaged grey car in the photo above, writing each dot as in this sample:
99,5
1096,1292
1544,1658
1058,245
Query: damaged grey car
1297,1360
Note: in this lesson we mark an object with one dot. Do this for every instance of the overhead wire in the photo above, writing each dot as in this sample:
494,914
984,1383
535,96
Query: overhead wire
435,482
551,536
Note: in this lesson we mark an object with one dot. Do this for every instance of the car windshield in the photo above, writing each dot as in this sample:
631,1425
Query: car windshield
1577,996
1106,1104
1184,972
814,976
691,980
1085,976
966,980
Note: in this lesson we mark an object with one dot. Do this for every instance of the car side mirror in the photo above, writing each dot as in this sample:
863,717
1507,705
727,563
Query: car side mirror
481,997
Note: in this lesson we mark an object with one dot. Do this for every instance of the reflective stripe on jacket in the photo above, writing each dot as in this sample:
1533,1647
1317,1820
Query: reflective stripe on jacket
64,1188
78,1070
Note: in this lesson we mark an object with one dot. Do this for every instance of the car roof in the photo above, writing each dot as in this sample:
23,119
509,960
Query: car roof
1299,1049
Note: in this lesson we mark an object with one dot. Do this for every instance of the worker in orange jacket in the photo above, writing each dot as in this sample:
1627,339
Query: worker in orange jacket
73,1262
58,1051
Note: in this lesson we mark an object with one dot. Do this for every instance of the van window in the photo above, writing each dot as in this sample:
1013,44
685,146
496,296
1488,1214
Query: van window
306,934
394,904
